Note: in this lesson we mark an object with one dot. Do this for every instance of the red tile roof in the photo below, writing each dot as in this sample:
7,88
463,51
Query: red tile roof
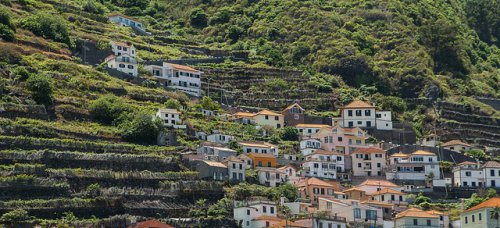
416,213
258,155
491,203
454,142
358,104
491,164
183,68
382,183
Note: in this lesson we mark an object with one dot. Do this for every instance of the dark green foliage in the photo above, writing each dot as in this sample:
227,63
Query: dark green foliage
141,129
477,154
15,217
133,11
149,83
20,73
41,88
198,18
290,134
482,16
131,3
172,103
92,6
7,27
48,26
420,199
93,191
395,104
208,104
108,109
6,33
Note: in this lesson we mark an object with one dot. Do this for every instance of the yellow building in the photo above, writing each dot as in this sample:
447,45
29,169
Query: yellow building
263,118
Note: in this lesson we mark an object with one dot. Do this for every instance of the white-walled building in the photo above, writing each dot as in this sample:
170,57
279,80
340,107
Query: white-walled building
245,212
456,145
259,147
364,115
126,21
418,166
124,63
370,186
308,146
271,177
236,168
468,174
430,140
262,118
324,164
220,138
309,129
215,153
292,173
491,170
170,117
121,48
355,211
179,77
368,162
415,218
389,195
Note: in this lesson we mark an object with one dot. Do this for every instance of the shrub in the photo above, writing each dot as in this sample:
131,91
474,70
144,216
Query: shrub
198,18
6,33
15,217
142,129
5,18
172,103
133,11
48,26
20,73
41,88
93,7
290,134
208,104
108,109
148,83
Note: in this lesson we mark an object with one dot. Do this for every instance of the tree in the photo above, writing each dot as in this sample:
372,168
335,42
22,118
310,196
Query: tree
172,103
288,191
48,26
92,6
108,109
141,129
208,104
198,18
15,217
477,154
93,190
6,33
290,134
421,199
40,86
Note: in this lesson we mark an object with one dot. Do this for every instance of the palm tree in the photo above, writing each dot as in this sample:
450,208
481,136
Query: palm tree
495,214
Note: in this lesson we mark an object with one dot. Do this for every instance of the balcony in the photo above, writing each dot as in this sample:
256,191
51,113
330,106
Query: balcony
369,167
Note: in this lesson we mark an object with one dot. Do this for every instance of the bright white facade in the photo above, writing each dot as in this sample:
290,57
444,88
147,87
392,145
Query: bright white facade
170,117
364,115
308,146
236,168
324,164
292,173
124,63
468,174
246,211
491,171
353,210
179,77
220,138
419,165
120,48
456,145
259,147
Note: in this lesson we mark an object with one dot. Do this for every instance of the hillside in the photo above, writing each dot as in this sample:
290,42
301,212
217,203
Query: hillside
78,145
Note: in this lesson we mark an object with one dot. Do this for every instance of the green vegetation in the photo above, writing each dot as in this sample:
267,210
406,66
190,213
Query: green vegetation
108,109
41,88
48,26
141,129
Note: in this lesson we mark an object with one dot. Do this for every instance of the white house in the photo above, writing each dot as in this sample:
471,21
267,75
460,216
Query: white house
389,195
356,212
236,168
245,212
480,215
309,129
417,166
414,217
329,221
271,177
126,21
324,164
456,145
179,77
259,147
121,48
170,117
368,161
220,138
491,170
292,173
308,146
468,174
215,153
364,115
124,63
372,186
430,140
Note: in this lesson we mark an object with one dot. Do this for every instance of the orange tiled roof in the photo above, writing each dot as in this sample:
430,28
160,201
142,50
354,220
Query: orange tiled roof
268,112
434,212
467,163
417,213
369,150
400,155
388,191
215,164
493,202
354,189
293,105
359,104
258,155
422,152
454,142
318,182
182,67
288,224
244,114
311,125
492,164
267,217
382,183
372,202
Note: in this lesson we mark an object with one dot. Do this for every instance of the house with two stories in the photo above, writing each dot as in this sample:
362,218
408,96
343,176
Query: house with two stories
340,139
236,168
491,170
309,129
211,170
364,115
456,145
325,164
122,48
220,138
391,196
293,115
123,63
418,167
414,218
170,117
262,160
314,188
215,152
368,162
372,186
262,118
357,213
271,177
468,174
485,215
249,213
309,145
179,77
293,173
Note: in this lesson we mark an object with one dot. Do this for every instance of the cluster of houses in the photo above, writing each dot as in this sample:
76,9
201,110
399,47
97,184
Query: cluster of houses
174,76
330,157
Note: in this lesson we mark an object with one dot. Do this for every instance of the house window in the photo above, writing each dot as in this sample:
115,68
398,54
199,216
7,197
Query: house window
349,112
121,65
351,124
468,174
276,118
358,112
415,222
264,209
428,222
493,184
248,212
371,214
260,163
329,205
234,166
268,164
466,220
339,139
473,218
267,224
357,213
492,173
368,123
359,165
267,117
479,217
368,112
272,210
379,165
